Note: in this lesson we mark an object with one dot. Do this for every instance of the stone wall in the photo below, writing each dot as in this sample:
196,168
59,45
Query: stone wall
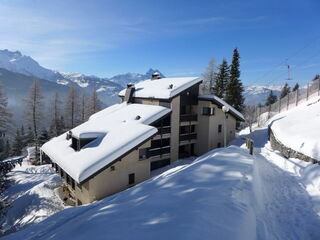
286,151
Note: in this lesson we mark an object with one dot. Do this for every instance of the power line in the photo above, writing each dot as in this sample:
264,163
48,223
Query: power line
285,61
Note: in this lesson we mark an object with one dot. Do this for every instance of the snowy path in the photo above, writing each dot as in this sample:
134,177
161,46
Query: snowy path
284,209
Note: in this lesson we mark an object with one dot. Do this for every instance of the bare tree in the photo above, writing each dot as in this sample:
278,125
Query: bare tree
72,107
209,77
249,115
34,114
83,108
5,115
94,104
55,112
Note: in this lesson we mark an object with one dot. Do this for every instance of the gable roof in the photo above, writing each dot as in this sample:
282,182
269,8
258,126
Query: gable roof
117,130
161,89
218,101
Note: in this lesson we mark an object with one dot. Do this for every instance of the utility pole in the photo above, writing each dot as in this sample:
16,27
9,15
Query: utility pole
289,71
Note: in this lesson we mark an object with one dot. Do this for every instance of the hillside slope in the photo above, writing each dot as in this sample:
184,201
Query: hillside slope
207,199
299,128
224,194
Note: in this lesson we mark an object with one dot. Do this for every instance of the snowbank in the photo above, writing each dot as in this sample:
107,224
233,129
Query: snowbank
32,197
299,128
208,199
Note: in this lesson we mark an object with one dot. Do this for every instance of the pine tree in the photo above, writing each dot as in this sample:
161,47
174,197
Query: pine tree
296,87
272,98
29,137
5,115
316,77
285,90
72,107
209,76
94,104
34,114
44,136
17,144
234,88
221,79
7,149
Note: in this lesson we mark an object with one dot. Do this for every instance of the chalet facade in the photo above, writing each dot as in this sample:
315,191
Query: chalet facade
158,121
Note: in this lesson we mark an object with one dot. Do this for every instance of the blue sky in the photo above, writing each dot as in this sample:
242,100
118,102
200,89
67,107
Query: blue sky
105,38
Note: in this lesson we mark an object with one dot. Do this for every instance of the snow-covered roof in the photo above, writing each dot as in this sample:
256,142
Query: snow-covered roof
117,129
163,88
221,103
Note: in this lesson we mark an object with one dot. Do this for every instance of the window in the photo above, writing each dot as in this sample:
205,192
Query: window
142,154
208,111
79,203
61,172
85,141
219,128
73,185
219,145
131,178
68,179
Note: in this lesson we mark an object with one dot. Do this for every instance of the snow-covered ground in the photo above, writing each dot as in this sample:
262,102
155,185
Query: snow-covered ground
224,194
299,128
32,196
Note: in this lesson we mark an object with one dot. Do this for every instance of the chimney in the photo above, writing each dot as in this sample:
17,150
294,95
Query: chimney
155,76
128,97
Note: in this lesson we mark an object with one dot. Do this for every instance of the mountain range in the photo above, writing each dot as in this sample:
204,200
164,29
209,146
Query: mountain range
17,72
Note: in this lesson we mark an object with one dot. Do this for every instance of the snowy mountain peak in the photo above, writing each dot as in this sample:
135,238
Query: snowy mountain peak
16,62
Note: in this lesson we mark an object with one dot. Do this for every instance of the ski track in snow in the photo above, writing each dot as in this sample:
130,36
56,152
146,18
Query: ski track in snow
283,207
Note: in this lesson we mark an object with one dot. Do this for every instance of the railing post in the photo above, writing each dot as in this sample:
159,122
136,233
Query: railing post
297,96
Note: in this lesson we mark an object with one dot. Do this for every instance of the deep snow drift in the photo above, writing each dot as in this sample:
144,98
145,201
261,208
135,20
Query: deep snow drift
32,197
207,199
299,128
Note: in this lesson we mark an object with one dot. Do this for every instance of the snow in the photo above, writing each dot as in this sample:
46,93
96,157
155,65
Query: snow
220,102
204,200
16,62
160,89
286,192
117,132
32,197
224,194
299,128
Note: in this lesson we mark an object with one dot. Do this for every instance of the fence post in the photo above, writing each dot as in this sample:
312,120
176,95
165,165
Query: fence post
318,86
279,104
297,96
288,100
307,91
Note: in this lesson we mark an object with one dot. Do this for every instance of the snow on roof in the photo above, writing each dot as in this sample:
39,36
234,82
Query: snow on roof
221,103
117,130
163,88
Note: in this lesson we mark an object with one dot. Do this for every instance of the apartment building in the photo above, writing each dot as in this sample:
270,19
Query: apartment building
157,122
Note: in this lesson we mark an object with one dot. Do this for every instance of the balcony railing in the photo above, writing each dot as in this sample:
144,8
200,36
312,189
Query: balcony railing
158,151
188,117
164,130
190,136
